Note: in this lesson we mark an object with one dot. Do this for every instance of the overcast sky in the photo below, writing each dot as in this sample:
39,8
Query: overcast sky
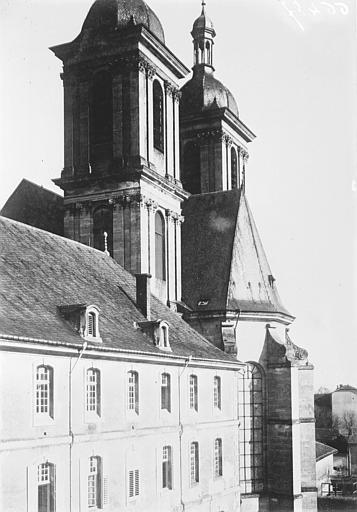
292,69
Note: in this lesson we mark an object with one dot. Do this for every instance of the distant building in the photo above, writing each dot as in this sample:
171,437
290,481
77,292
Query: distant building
324,467
200,402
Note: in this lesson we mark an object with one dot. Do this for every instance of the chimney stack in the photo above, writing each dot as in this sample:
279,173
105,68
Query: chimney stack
143,294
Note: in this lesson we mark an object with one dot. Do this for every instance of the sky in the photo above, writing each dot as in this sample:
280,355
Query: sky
291,66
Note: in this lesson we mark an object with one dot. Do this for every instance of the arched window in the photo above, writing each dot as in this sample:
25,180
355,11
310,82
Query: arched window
95,483
160,249
217,398
208,53
44,391
101,119
167,467
93,397
191,171
193,392
46,487
218,459
166,392
251,414
158,102
194,464
133,391
103,229
234,168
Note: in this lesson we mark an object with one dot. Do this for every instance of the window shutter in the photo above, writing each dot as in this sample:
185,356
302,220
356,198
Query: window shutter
136,482
105,490
131,484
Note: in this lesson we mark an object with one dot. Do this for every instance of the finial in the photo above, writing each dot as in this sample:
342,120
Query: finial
106,243
203,6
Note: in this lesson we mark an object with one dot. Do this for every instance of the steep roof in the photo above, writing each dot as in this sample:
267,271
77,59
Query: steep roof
40,271
224,262
36,206
323,450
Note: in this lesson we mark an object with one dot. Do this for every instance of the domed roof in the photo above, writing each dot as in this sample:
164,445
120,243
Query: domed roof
204,92
203,23
120,13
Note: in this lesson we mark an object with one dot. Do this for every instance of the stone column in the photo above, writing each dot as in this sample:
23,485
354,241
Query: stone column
86,224
84,136
69,108
176,125
118,119
169,131
150,115
142,110
118,232
69,221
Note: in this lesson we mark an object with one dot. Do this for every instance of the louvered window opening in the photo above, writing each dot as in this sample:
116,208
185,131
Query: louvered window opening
92,331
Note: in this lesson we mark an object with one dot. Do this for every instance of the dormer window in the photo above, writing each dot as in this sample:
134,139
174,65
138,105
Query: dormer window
92,324
83,319
164,342
158,331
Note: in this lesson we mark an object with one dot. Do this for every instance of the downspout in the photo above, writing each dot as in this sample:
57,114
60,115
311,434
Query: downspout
70,432
179,375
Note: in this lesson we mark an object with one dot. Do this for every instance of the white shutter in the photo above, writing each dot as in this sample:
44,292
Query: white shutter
131,484
137,489
32,488
105,485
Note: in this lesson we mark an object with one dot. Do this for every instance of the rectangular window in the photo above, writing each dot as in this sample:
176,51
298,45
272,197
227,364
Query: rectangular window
134,483
193,392
217,393
94,482
166,392
93,391
194,464
167,467
44,390
133,392
218,468
46,487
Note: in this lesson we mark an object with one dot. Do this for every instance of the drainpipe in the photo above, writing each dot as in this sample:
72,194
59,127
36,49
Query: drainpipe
70,432
179,375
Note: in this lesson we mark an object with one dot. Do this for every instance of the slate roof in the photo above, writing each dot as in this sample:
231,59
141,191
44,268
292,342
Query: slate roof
40,271
323,450
223,259
36,206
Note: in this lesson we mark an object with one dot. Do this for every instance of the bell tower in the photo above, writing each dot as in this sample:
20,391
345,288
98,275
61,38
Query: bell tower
213,138
121,179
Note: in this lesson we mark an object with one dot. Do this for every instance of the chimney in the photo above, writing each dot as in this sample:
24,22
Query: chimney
143,294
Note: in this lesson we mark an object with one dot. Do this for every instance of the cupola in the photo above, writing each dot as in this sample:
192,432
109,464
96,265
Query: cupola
203,34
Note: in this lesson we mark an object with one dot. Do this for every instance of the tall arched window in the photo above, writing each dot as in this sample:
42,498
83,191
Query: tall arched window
234,168
251,415
160,249
101,119
158,102
93,393
191,171
95,483
103,223
44,391
46,498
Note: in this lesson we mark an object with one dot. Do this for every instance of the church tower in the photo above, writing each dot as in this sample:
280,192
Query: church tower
121,179
214,140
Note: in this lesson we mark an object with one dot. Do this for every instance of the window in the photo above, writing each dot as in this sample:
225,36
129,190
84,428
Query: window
251,401
234,168
94,483
191,169
218,470
44,390
93,391
46,487
133,483
217,392
103,229
158,116
166,392
160,250
194,464
92,330
164,343
133,391
193,392
167,467
101,119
